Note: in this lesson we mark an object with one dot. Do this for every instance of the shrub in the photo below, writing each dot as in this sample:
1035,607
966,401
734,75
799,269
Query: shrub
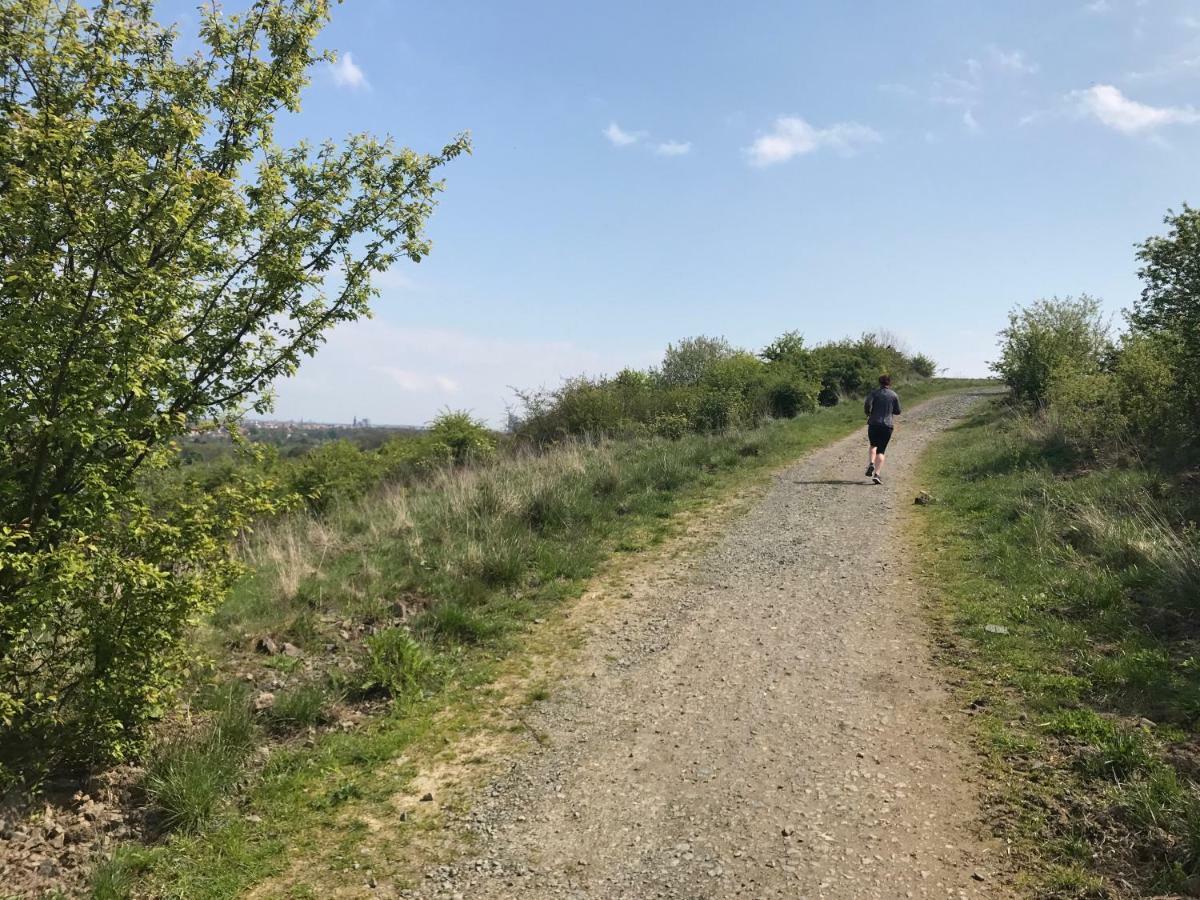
787,349
461,438
165,262
687,362
396,663
335,470
718,409
1144,387
789,397
1047,339
91,642
923,366
672,426
1083,405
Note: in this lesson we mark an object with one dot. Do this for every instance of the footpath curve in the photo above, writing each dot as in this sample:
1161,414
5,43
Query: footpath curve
767,724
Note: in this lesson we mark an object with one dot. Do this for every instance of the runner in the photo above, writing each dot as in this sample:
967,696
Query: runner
881,404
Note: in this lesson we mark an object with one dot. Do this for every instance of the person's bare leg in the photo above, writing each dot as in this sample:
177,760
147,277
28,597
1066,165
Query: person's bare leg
878,462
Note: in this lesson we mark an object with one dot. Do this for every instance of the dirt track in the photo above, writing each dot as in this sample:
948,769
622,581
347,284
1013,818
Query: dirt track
767,724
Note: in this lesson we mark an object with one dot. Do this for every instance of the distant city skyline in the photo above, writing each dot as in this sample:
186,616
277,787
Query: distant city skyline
647,172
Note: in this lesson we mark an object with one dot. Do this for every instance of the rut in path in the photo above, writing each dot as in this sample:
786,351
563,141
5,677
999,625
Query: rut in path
767,724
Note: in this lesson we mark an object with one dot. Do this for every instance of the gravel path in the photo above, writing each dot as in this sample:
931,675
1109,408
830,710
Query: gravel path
766,723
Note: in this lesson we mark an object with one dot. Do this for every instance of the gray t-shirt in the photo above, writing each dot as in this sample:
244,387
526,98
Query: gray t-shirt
881,404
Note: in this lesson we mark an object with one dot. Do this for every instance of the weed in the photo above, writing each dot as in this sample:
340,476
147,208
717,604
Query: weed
396,662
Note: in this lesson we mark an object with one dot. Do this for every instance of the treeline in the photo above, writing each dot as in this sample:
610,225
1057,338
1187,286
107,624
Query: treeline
704,384
1136,391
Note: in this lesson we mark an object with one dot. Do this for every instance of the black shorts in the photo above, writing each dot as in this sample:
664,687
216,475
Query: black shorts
879,435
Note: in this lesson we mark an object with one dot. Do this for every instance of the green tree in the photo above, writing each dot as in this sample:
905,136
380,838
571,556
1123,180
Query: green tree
1049,339
164,260
687,362
1169,311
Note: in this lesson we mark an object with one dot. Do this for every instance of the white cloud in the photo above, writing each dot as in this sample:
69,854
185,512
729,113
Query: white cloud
674,148
970,122
1113,109
792,136
1099,7
619,137
346,73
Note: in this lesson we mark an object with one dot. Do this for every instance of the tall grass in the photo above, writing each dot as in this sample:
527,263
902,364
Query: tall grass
1091,699
189,776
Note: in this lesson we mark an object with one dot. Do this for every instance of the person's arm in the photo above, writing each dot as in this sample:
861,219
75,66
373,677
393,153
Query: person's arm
896,405
867,404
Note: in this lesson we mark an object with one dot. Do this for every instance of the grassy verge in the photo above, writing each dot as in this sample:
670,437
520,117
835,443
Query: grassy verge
422,594
1068,603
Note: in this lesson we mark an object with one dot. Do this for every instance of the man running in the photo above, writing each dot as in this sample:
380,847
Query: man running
881,404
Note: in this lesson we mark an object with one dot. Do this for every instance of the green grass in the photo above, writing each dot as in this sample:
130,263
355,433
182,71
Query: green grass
303,706
188,778
1088,706
476,554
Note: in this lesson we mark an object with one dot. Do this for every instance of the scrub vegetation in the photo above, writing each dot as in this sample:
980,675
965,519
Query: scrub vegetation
1065,550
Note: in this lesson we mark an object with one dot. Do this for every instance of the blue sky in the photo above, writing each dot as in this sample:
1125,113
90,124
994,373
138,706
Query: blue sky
646,171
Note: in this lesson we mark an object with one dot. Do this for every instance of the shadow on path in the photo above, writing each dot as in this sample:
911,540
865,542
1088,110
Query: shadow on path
858,483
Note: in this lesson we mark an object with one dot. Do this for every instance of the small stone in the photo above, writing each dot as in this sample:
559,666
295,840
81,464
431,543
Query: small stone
428,798
292,650
924,499
995,629
266,644
786,832
264,700
978,876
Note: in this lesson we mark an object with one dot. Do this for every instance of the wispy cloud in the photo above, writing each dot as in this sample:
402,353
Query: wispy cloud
1098,7
402,375
618,137
970,122
792,136
346,73
1012,61
897,89
673,148
417,382
1180,67
1113,109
